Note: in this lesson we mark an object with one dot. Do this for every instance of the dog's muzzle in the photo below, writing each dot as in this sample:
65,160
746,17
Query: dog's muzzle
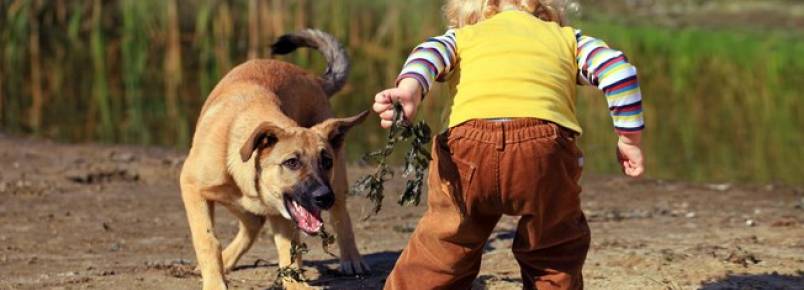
323,197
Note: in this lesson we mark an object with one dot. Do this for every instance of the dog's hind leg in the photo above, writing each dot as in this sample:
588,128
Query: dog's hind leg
207,248
250,226
351,261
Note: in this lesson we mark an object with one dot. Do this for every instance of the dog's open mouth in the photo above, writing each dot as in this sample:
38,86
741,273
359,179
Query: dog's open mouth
308,220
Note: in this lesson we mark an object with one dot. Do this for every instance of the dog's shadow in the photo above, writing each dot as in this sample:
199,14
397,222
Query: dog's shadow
381,264
757,281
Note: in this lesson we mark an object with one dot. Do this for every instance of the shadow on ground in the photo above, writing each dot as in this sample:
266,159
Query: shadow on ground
381,264
758,282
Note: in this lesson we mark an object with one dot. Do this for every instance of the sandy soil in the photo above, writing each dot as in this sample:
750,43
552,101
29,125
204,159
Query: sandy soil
110,217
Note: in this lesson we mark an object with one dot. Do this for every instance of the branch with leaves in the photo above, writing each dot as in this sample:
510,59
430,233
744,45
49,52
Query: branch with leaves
296,274
417,159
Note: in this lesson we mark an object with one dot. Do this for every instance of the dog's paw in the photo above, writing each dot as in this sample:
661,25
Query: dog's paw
214,284
354,267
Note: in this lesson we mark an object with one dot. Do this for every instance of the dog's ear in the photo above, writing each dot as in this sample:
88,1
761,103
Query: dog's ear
264,136
335,129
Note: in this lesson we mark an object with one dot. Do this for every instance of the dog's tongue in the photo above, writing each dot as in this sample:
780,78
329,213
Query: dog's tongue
309,222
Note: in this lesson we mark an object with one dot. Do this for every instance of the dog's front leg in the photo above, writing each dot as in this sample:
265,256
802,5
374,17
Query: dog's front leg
351,261
207,248
285,234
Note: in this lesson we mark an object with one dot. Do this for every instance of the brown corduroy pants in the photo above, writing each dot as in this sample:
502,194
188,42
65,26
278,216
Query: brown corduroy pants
480,171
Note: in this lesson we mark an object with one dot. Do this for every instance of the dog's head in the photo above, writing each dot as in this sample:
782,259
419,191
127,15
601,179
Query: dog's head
294,167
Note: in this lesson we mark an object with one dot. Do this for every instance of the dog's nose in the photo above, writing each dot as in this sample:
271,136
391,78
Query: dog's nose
323,198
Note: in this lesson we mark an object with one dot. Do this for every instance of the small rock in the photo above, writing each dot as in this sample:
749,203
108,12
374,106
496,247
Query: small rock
182,262
123,157
68,274
115,247
690,215
719,187
106,227
750,223
173,161
403,229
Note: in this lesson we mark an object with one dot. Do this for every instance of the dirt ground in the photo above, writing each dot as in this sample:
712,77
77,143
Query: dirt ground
110,217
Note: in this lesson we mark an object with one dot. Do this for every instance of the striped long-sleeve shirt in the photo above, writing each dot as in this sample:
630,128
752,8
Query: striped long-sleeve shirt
598,65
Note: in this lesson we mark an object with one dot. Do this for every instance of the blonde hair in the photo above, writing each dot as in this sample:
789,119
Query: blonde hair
461,13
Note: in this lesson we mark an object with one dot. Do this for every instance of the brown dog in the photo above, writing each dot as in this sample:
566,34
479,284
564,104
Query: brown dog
268,148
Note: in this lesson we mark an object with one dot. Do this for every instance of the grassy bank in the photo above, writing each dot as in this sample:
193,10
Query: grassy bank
721,104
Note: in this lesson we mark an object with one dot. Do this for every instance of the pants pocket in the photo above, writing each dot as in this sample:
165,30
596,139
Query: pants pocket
573,156
455,174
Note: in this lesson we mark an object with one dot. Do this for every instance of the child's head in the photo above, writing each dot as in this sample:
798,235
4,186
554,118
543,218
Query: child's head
460,13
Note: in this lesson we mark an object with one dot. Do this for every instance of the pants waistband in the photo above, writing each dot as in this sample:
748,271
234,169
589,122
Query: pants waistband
508,131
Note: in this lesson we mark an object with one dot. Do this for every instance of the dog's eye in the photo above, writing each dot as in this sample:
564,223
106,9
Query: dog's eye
326,162
292,164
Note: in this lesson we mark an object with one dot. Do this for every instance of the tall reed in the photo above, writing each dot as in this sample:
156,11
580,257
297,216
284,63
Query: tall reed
203,44
35,113
106,130
253,29
135,51
15,38
173,77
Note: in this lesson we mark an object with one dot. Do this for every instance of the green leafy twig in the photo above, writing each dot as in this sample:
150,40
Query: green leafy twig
327,239
297,250
296,274
416,162
287,274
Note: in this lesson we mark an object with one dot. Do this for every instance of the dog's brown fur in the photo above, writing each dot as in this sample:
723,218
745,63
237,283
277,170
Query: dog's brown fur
261,114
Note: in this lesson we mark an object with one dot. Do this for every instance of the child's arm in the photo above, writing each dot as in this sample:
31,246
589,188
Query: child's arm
609,70
432,60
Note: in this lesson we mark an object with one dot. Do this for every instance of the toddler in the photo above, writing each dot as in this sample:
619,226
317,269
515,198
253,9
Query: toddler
513,66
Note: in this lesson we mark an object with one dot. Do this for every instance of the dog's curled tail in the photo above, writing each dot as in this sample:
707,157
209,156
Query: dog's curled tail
337,71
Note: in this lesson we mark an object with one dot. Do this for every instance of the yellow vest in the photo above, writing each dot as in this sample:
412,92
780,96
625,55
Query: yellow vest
515,65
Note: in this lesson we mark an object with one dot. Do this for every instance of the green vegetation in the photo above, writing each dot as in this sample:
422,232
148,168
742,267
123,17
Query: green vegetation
417,159
721,104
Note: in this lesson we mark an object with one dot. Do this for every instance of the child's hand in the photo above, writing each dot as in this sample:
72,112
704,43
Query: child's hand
409,94
629,154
